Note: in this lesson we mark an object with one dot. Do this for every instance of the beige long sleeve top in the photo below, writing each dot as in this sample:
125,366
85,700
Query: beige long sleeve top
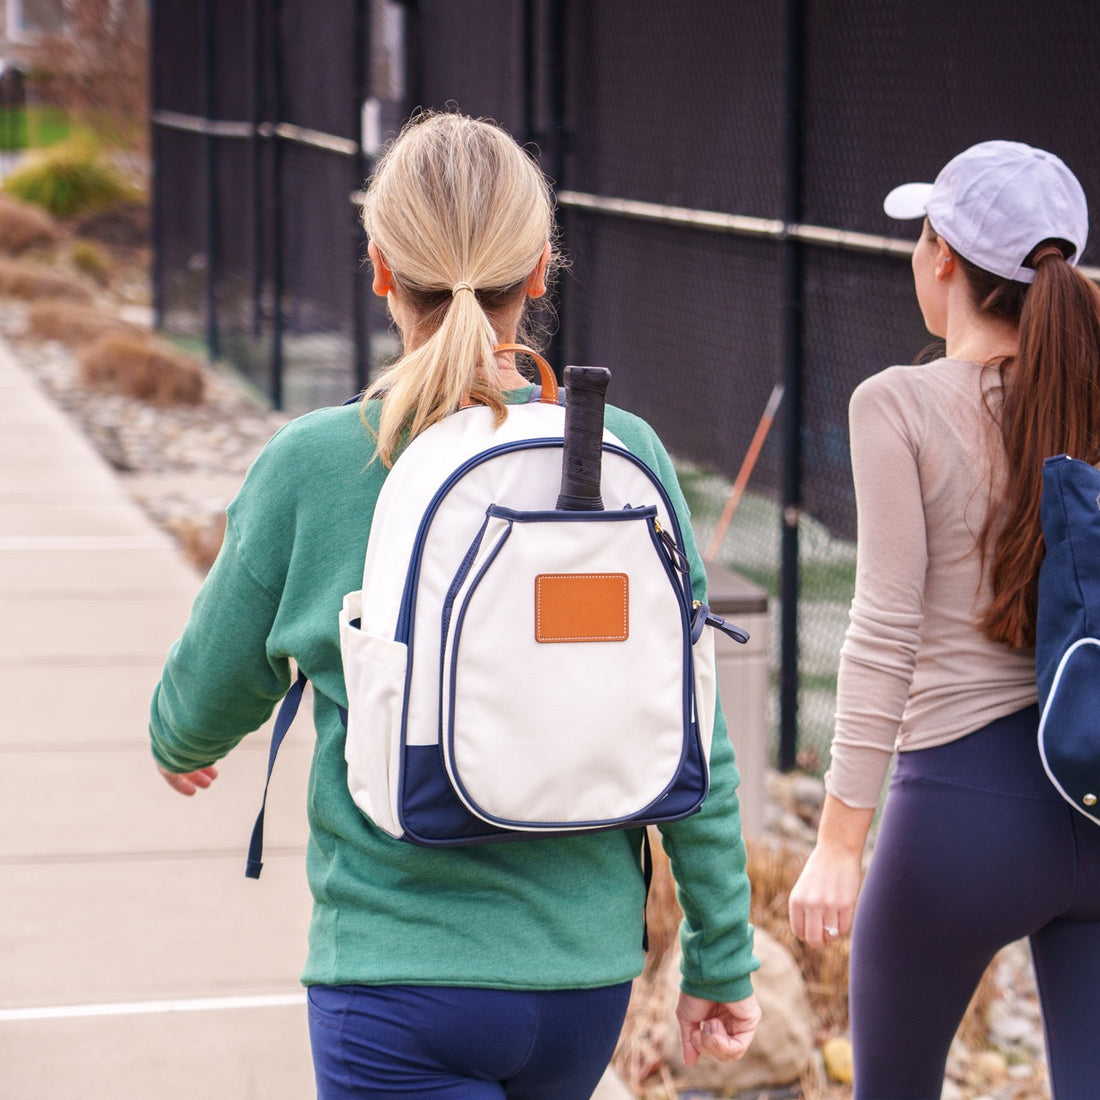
915,669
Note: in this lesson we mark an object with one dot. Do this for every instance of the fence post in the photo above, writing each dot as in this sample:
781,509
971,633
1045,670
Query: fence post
792,380
363,77
277,257
255,146
156,151
551,135
210,149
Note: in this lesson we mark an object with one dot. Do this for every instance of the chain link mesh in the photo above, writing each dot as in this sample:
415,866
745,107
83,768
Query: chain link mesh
656,106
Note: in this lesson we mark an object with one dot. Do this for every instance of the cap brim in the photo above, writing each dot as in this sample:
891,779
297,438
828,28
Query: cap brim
910,200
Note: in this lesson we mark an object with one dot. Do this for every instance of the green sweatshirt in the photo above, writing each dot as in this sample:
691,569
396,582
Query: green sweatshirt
548,913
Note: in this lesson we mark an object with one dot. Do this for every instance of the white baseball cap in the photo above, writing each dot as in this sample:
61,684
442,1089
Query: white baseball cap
995,202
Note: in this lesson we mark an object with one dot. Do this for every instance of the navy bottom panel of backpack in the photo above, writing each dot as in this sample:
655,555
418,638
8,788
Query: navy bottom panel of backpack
433,815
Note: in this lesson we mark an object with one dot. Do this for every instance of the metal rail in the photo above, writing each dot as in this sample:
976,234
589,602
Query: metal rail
746,226
230,128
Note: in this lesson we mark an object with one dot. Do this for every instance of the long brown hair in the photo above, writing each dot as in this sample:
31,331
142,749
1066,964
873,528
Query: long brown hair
1051,405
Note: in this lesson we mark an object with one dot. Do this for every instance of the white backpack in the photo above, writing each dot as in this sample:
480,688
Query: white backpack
513,669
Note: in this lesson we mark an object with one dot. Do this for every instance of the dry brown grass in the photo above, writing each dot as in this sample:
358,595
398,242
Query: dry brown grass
23,279
72,323
24,226
143,368
640,1052
773,869
91,260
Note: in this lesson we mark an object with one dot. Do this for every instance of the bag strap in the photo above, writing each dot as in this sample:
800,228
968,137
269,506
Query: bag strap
287,712
549,382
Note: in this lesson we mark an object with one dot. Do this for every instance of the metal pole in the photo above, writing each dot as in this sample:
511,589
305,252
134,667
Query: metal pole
792,380
209,78
528,12
361,59
414,77
277,258
156,213
552,134
255,146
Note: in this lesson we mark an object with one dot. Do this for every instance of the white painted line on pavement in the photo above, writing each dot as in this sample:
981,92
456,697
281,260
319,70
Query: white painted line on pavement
145,1008
86,542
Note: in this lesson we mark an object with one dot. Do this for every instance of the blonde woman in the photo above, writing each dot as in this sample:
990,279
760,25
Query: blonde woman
480,972
976,848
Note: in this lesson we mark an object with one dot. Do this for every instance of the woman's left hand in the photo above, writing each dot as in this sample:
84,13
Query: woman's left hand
187,783
721,1029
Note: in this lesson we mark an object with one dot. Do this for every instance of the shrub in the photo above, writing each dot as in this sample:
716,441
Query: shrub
143,368
91,260
22,279
73,324
24,226
125,225
69,179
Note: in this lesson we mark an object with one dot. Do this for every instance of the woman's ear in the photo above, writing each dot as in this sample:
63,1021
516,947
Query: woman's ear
383,277
536,281
945,262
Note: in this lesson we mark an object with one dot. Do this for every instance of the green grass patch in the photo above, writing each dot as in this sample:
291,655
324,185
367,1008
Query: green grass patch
33,127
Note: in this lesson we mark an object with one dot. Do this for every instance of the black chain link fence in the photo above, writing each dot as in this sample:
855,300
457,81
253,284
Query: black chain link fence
650,117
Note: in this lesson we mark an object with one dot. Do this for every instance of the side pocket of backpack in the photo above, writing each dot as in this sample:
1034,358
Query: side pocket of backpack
374,672
706,690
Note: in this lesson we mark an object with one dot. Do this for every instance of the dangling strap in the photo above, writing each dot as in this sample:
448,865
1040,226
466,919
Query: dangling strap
704,617
546,375
287,712
647,875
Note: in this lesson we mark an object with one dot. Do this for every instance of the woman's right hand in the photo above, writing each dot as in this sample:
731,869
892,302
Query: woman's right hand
823,900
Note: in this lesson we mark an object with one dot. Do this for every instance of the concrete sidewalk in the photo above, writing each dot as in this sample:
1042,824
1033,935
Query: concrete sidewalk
136,961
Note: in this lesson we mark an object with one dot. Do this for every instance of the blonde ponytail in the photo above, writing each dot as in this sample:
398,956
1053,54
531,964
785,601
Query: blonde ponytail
461,215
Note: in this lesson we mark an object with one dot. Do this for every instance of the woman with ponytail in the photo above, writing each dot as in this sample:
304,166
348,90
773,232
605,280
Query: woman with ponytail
480,972
976,848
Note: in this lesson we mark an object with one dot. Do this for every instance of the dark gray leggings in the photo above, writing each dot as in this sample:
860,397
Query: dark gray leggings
975,850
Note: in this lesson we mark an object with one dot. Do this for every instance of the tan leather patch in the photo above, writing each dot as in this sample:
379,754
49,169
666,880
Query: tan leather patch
581,607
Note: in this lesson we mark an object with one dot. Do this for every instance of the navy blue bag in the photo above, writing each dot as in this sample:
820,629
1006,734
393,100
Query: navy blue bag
1067,644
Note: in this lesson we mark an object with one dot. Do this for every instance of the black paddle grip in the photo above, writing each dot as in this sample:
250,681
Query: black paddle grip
582,451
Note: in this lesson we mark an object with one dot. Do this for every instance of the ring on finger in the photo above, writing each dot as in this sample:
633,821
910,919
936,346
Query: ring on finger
830,931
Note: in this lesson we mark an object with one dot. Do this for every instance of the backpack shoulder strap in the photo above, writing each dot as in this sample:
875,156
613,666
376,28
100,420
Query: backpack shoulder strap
288,710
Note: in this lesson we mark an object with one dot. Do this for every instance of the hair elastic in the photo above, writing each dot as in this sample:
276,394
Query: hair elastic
462,286
1043,253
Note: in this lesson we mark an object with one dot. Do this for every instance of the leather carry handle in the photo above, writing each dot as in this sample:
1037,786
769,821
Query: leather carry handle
546,375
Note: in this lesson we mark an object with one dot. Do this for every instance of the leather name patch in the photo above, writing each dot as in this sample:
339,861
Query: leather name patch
581,607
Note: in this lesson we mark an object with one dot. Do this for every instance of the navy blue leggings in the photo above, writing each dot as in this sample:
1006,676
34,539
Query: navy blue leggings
407,1041
975,850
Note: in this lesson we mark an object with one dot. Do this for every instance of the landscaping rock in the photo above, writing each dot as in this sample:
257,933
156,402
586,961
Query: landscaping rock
783,1046
837,1054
